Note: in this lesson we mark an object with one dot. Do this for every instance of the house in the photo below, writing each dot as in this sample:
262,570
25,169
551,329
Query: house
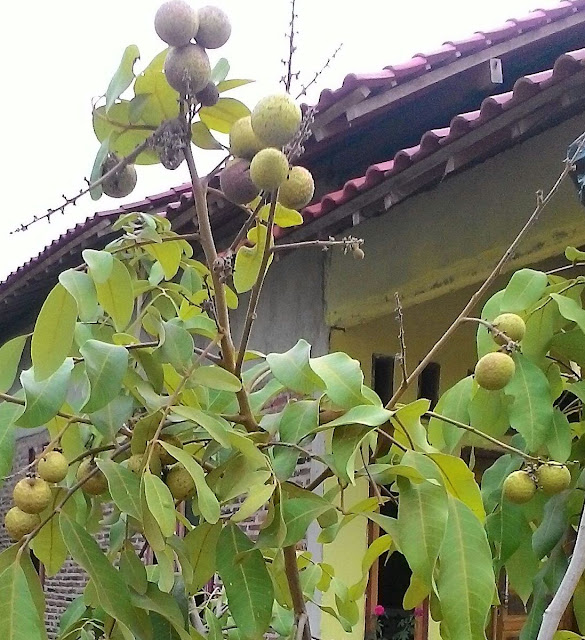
435,163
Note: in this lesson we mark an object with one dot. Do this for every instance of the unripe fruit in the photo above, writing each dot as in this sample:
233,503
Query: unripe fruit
18,523
236,184
135,464
297,190
208,96
122,183
32,495
553,478
97,484
187,69
269,169
165,457
214,28
510,324
180,483
494,371
176,22
244,143
53,467
519,487
276,119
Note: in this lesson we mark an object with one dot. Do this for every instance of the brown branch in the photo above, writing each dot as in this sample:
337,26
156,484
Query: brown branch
326,473
541,202
245,228
401,337
294,584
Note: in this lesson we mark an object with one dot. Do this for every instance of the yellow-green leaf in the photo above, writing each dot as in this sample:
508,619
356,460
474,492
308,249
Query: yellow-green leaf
202,137
116,295
17,605
249,259
222,116
160,503
201,544
53,333
123,77
10,355
124,487
216,377
227,85
169,255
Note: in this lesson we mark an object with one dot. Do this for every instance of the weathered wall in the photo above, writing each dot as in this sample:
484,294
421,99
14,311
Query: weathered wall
449,237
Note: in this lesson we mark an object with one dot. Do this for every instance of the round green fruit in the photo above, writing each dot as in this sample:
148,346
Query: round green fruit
32,495
122,183
268,169
214,28
96,484
519,487
553,478
510,324
176,23
244,143
494,371
276,119
165,457
209,96
187,69
297,190
135,464
53,467
180,483
18,523
236,184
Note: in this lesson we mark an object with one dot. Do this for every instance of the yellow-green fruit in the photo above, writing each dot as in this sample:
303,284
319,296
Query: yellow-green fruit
269,169
244,143
519,487
32,495
553,478
235,182
165,457
97,484
176,22
180,483
122,183
297,190
510,324
494,371
214,28
53,466
135,464
276,119
19,524
187,69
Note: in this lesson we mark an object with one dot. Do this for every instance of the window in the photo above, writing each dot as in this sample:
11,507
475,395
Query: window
429,383
383,376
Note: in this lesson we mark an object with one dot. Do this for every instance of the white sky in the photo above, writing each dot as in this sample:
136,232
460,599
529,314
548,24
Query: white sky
60,54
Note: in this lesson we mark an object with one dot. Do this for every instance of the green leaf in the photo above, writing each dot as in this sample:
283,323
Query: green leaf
166,606
293,370
298,419
48,545
466,583
491,309
559,440
570,309
81,287
460,482
227,85
112,592
222,115
422,518
206,500
123,77
408,427
220,71
109,420
124,487
345,444
521,569
283,217
105,365
44,399
507,529
257,497
453,404
100,264
299,513
169,255
553,526
10,355
177,348
116,296
343,379
161,503
215,426
163,102
493,478
53,334
202,137
16,605
531,412
248,586
249,259
488,413
368,415
9,413
96,169
201,544
133,570
525,288
216,377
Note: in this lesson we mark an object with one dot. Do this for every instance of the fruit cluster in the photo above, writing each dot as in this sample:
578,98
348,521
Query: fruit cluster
520,486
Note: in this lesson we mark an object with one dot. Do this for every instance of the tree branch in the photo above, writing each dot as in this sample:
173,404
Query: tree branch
294,584
61,414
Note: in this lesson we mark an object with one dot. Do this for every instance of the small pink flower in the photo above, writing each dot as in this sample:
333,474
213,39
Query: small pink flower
418,612
379,610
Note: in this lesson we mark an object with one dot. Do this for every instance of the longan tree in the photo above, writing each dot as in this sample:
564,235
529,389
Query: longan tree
164,425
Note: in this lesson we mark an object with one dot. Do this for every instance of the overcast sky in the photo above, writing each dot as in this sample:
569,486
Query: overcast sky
58,55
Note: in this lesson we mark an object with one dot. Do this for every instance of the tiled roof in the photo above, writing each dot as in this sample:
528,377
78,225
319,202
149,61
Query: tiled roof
450,51
524,89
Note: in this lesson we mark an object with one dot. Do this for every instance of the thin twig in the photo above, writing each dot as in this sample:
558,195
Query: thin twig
61,414
391,439
320,244
372,482
541,202
289,75
401,337
318,73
